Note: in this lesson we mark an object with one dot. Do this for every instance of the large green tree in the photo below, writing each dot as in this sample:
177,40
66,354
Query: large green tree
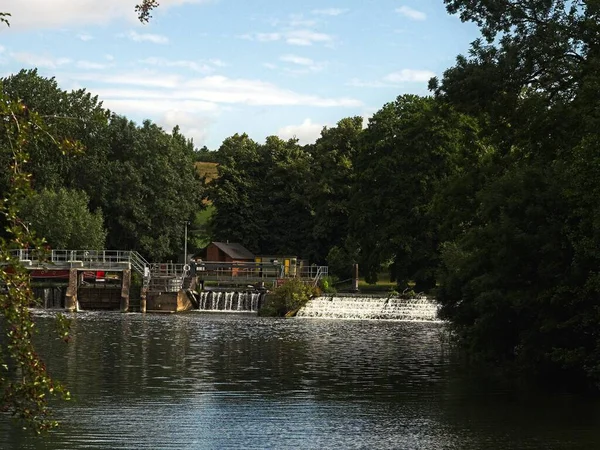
236,193
332,178
260,195
62,217
284,205
519,281
25,385
407,149
152,191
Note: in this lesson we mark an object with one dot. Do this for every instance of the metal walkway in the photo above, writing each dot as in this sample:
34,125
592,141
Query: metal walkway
167,277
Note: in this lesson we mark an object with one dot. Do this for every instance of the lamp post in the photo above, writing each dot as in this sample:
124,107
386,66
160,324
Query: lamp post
185,243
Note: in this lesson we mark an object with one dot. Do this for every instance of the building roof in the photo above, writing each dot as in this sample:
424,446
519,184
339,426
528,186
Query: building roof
234,250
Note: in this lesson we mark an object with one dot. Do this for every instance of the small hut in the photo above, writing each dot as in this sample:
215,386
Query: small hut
228,252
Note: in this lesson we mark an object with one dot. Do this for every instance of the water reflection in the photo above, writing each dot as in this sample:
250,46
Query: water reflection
206,381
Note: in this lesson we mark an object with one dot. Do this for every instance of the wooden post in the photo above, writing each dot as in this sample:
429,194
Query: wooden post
355,277
143,295
125,284
71,295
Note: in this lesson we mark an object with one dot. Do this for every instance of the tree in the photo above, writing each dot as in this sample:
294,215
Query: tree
330,190
154,188
407,149
62,217
260,195
144,10
236,193
25,385
284,204
518,281
75,115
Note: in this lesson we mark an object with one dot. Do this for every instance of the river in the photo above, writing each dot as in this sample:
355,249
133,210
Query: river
217,381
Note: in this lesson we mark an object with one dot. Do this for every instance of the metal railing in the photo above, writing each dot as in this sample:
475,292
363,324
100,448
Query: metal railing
79,258
168,276
252,272
89,259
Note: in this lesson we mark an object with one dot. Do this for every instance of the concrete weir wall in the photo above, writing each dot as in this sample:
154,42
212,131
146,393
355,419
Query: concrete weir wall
95,298
168,302
80,295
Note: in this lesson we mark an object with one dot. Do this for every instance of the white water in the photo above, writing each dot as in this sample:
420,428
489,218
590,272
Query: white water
362,307
230,301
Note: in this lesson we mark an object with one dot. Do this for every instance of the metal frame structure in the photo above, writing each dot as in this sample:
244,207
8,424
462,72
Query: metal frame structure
166,277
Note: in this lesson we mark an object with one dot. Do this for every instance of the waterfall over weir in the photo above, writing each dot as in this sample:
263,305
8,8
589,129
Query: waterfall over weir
230,301
356,306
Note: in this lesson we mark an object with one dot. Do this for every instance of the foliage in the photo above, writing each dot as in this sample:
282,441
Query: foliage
259,195
204,155
331,185
25,385
288,298
519,274
152,191
236,193
200,231
341,260
3,18
327,284
140,178
63,218
407,149
144,10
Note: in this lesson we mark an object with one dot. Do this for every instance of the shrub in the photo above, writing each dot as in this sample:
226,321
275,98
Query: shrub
288,298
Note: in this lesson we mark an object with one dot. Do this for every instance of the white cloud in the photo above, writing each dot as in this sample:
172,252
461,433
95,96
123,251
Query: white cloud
147,37
85,37
196,66
409,76
394,78
411,13
306,133
217,62
329,11
2,49
301,37
209,90
307,64
298,20
306,37
27,14
193,126
356,82
44,61
297,60
261,37
90,65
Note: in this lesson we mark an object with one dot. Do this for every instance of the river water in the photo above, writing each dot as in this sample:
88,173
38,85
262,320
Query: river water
212,381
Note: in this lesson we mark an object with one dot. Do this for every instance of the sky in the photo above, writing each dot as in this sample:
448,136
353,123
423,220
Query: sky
220,67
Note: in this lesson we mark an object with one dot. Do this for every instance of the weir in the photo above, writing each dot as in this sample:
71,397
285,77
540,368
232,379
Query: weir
357,306
231,301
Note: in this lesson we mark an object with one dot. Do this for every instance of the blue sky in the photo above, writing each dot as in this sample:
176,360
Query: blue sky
219,67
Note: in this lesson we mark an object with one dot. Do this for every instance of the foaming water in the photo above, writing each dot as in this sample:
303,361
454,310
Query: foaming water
220,301
371,308
218,381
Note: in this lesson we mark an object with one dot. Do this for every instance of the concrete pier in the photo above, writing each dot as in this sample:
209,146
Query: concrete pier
125,285
71,295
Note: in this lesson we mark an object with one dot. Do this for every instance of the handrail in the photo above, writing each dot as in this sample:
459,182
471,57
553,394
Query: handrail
205,270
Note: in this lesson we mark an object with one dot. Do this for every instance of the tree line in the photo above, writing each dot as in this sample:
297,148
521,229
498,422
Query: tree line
131,186
483,193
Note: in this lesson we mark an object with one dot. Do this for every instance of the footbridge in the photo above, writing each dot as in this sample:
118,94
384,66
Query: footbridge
101,279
